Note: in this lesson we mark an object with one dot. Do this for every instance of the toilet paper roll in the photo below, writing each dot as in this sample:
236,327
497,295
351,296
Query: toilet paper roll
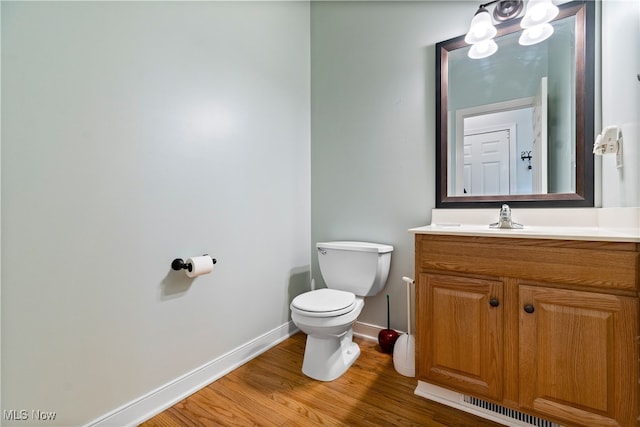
200,265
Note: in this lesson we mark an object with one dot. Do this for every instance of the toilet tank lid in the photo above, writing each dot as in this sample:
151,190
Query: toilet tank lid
356,246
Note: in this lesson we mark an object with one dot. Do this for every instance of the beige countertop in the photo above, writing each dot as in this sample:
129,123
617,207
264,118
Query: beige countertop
598,224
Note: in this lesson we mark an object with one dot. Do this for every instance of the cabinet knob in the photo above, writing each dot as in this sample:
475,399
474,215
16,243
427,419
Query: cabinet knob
493,302
529,308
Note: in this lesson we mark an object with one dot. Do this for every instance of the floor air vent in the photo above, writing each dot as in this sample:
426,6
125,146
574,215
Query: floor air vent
522,418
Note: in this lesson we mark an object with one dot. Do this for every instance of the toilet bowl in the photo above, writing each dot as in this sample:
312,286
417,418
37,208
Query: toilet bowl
351,270
330,349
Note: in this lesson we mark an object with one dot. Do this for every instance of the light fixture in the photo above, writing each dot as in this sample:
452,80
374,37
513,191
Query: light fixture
535,24
535,34
483,49
507,9
539,12
482,31
481,28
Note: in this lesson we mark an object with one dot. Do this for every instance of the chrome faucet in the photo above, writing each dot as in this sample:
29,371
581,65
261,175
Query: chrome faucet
504,220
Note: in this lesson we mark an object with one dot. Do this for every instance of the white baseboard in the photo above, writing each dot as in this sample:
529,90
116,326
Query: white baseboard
368,331
145,407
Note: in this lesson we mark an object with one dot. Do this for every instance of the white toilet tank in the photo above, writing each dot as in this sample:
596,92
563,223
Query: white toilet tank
358,267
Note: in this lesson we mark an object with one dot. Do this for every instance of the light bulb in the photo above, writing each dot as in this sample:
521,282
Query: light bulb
481,28
483,49
535,34
539,12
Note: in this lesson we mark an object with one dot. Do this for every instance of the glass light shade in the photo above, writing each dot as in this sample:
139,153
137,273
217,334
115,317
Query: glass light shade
483,49
481,28
535,34
539,12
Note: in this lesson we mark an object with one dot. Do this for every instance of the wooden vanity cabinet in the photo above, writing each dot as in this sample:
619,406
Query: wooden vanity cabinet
577,355
463,334
546,327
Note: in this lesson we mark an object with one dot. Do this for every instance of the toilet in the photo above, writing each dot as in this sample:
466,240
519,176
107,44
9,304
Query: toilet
351,271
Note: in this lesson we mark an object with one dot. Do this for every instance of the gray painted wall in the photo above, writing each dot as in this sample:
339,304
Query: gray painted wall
134,133
621,99
372,128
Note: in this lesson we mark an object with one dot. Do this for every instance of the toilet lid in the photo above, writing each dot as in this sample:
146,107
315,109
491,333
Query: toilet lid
324,300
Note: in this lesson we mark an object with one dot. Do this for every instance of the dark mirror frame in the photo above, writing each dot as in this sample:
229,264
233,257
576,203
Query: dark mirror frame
584,12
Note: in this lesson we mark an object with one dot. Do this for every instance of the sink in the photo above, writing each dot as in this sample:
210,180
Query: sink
599,224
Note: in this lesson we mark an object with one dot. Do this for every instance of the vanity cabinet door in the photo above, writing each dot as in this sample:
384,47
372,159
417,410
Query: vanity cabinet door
459,333
578,355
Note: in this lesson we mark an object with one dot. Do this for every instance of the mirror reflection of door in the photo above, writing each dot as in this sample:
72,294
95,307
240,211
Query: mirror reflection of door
486,161
523,164
539,151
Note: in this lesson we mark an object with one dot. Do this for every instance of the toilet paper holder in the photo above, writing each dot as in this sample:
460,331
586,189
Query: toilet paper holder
179,264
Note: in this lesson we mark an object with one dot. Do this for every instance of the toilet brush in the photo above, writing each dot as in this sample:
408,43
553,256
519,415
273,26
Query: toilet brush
387,337
404,353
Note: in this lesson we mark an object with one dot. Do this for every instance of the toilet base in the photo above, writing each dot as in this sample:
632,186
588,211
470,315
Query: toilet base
327,358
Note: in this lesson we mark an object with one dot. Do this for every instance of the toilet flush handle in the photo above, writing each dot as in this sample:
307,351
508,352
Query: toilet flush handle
322,251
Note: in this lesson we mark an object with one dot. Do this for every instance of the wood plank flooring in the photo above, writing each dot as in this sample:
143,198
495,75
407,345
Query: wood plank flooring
272,391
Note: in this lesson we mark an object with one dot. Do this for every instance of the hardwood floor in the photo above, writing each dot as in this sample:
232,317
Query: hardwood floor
272,391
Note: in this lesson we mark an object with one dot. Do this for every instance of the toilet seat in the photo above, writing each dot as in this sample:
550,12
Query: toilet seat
324,303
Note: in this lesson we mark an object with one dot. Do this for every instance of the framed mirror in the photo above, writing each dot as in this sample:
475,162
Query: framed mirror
517,127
